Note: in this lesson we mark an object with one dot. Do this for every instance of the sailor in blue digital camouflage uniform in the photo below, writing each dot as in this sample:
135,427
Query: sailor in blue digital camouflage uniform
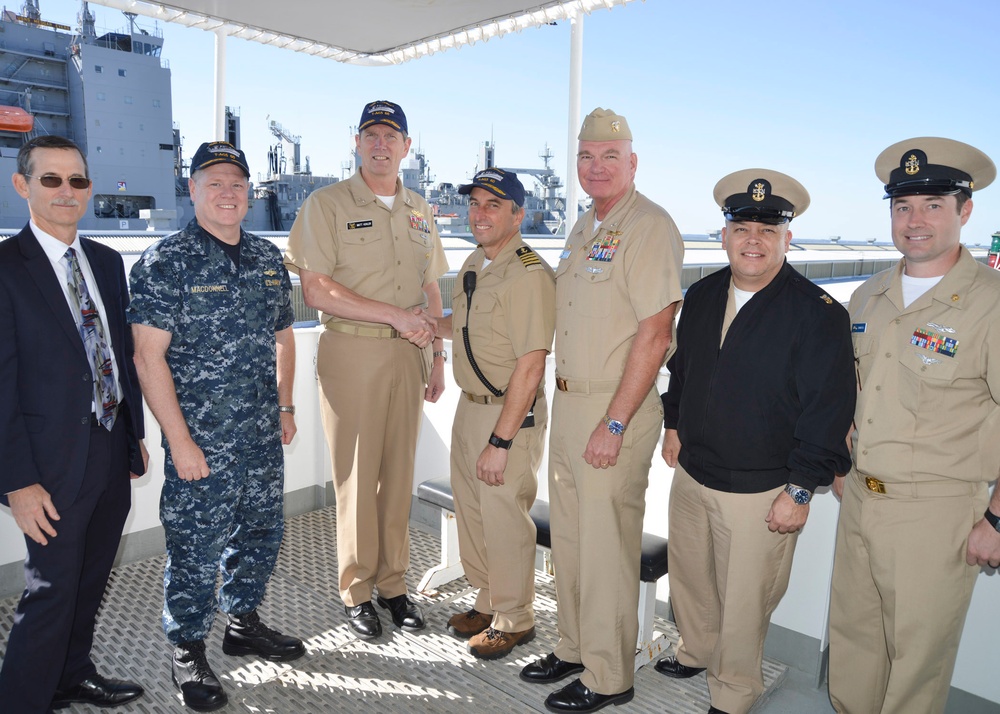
212,320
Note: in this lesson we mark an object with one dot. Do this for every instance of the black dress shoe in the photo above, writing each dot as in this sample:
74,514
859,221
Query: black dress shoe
247,635
201,689
99,691
405,613
576,697
549,669
672,668
713,710
363,620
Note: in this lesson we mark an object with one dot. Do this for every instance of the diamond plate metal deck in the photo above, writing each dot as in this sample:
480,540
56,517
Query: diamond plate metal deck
426,671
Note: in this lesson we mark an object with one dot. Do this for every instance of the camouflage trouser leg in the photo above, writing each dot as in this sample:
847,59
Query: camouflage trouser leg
231,521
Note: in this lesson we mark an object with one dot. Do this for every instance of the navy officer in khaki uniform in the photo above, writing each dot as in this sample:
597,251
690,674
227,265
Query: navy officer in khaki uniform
917,521
504,317
617,288
369,256
759,405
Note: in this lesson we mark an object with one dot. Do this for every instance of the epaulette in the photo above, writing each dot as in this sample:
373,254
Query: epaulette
528,257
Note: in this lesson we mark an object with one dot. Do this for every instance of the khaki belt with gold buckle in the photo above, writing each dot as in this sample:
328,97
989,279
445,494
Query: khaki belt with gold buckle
874,485
586,386
382,333
490,399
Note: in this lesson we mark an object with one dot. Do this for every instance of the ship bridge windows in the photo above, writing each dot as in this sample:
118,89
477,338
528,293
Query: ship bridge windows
146,48
109,205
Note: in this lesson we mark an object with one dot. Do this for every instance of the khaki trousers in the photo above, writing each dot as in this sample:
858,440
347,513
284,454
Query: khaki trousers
727,574
597,537
371,391
901,589
496,536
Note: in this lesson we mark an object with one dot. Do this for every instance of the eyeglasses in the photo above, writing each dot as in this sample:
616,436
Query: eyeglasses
77,182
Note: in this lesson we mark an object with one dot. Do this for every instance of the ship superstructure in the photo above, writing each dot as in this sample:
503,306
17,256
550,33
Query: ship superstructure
110,93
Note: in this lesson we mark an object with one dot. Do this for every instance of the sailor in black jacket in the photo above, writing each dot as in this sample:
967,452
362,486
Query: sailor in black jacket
760,401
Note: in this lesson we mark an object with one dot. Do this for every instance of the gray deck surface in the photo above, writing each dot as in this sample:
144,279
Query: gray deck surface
426,671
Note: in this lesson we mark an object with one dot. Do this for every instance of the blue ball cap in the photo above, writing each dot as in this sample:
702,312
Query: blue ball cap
504,184
219,152
383,112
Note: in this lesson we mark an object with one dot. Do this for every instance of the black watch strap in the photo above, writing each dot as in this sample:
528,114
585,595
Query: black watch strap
992,520
500,443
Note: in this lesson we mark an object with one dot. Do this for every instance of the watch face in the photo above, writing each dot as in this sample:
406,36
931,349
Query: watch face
800,495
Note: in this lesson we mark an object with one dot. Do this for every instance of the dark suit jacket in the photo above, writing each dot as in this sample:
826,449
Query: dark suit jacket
46,387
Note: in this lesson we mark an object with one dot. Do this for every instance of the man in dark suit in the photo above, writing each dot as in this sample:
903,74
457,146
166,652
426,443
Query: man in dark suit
71,416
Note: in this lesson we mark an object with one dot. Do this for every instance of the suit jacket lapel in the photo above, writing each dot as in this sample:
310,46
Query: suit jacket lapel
37,264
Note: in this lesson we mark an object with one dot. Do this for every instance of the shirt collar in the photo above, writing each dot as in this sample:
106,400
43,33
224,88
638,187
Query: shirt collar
54,248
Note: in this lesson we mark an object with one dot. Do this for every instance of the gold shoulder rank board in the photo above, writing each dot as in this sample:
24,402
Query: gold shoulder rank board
528,256
826,298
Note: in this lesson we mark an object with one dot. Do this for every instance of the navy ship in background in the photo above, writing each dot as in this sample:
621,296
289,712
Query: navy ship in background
111,94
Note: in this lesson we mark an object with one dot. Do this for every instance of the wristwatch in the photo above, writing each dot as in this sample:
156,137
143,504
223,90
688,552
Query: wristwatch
614,426
800,495
289,410
500,443
443,354
993,520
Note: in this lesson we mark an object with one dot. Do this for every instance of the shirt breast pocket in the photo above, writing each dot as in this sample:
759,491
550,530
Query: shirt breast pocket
361,251
596,295
923,375
863,346
210,300
420,243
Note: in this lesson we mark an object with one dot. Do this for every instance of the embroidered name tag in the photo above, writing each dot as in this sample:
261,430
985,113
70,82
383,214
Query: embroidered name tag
933,342
351,225
210,288
271,282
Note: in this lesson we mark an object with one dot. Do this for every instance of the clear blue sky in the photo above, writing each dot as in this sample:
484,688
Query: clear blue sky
813,89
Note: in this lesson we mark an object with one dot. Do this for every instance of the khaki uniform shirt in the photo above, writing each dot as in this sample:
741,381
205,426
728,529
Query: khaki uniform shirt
608,282
345,232
513,313
928,405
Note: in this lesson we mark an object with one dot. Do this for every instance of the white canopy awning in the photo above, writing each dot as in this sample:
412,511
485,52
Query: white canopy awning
364,32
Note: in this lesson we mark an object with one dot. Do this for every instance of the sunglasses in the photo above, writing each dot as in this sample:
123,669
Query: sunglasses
77,182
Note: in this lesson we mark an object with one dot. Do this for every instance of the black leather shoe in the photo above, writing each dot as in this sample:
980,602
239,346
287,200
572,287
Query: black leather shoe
99,691
672,668
713,710
363,620
549,669
202,690
247,635
575,697
405,613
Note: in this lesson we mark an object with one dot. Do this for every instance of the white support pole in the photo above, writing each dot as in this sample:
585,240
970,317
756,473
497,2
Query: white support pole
575,89
220,83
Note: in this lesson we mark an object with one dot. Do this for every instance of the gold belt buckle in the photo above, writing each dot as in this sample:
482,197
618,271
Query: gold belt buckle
561,384
874,485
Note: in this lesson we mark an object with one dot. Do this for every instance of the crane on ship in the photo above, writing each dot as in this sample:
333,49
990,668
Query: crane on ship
276,155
